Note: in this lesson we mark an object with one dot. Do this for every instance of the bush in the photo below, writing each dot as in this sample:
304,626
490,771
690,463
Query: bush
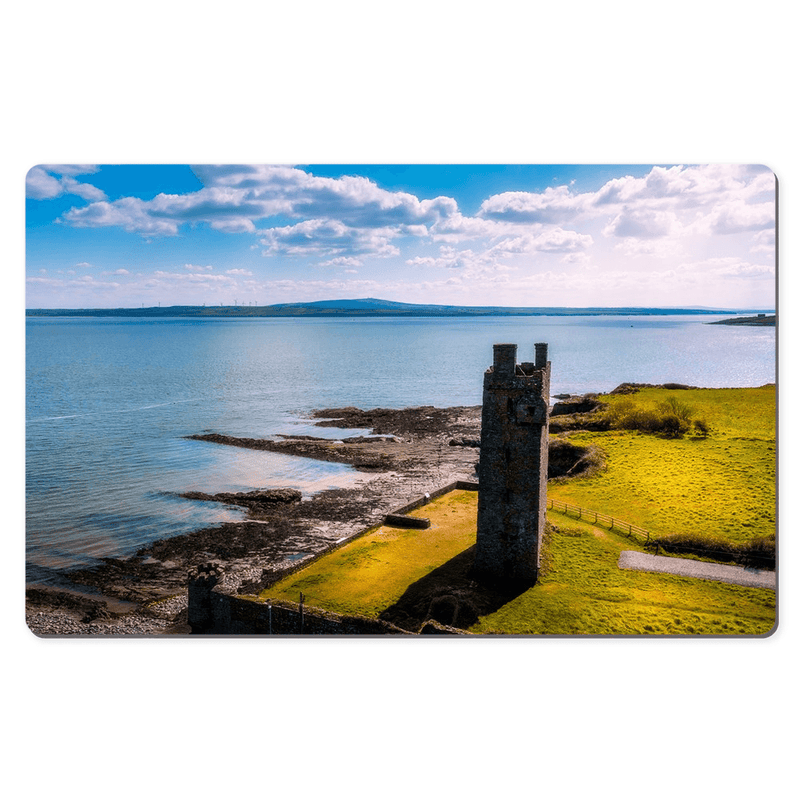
701,427
672,417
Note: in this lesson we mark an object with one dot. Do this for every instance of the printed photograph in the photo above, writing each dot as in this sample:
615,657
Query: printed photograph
401,400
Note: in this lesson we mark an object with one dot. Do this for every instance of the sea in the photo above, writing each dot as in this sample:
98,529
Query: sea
110,402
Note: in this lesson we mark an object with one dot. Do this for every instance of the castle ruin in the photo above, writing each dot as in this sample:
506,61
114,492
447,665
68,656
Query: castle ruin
512,472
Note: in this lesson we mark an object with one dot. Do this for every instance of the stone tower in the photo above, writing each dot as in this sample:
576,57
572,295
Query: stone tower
512,474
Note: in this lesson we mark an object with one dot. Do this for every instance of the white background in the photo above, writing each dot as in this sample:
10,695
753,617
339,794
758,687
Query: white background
350,82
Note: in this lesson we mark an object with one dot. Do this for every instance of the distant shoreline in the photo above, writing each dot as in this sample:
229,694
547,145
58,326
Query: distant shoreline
760,319
377,308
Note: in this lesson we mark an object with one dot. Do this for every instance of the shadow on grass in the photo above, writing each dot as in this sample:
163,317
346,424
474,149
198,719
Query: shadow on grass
449,595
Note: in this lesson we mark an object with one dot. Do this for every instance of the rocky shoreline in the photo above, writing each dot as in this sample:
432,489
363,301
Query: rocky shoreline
411,451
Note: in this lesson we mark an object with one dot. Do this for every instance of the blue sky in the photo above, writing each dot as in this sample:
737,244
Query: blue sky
558,235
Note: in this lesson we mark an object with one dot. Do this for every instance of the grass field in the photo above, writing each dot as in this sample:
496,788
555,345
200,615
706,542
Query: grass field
369,574
582,591
722,484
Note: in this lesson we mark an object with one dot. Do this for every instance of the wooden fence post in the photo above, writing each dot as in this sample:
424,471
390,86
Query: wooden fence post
301,611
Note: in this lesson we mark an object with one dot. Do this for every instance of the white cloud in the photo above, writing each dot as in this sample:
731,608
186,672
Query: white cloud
234,198
642,223
581,239
764,242
47,181
457,228
553,240
129,213
328,238
667,202
737,217
342,261
554,205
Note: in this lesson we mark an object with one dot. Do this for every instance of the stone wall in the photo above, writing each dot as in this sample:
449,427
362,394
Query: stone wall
216,609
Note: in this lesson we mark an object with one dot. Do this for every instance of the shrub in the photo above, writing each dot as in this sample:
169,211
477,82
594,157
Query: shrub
671,417
701,427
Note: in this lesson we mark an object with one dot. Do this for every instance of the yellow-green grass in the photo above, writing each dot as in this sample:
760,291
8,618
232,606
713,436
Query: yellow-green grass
582,591
370,573
722,485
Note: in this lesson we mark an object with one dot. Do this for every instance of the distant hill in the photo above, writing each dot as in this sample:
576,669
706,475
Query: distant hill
368,307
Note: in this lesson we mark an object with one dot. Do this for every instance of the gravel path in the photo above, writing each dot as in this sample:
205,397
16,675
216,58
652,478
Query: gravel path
689,568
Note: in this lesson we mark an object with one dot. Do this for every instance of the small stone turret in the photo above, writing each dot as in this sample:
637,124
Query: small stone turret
512,495
202,579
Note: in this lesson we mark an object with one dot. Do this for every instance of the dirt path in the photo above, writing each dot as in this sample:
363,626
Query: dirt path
689,568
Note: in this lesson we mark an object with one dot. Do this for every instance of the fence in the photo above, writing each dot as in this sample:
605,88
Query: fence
633,531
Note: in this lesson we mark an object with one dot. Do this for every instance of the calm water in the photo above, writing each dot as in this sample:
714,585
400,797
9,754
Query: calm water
109,400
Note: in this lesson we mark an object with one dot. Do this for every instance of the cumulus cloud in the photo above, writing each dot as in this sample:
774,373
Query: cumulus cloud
736,217
328,238
234,198
456,228
129,213
47,181
352,199
343,261
554,205
667,202
666,214
686,186
642,223
554,240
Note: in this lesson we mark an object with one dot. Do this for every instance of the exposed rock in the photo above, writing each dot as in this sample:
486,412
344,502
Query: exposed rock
256,499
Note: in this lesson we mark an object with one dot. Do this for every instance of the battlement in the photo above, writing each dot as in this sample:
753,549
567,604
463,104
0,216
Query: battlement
505,367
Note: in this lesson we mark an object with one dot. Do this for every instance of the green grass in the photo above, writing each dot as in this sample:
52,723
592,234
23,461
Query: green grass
369,574
721,486
582,591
